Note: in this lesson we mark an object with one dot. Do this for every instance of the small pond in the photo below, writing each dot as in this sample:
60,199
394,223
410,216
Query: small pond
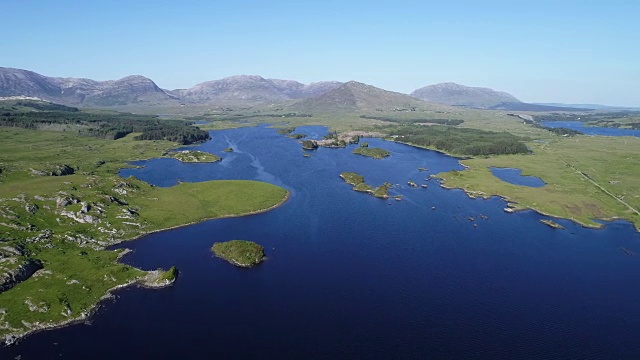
515,177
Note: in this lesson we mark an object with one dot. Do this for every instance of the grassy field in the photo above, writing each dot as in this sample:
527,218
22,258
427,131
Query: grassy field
65,222
587,178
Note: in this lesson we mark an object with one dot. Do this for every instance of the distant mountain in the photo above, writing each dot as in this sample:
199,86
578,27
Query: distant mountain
520,106
139,90
253,89
589,106
460,95
358,97
82,92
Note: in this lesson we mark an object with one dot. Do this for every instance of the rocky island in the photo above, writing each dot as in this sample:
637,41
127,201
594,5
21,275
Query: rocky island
358,183
241,253
194,156
552,224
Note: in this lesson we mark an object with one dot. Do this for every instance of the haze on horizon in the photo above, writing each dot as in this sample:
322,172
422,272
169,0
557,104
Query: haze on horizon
544,51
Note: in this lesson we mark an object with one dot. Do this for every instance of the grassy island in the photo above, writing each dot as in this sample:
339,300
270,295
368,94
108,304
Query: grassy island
194,156
358,183
376,153
241,253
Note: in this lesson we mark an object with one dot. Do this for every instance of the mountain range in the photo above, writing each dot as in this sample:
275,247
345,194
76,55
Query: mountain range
250,90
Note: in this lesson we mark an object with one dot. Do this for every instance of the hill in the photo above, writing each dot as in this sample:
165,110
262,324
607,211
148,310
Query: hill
460,95
355,97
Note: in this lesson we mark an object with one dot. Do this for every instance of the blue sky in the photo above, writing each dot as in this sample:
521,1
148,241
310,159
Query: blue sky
540,51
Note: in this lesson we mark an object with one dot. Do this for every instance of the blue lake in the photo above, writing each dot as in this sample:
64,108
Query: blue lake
591,130
514,176
350,276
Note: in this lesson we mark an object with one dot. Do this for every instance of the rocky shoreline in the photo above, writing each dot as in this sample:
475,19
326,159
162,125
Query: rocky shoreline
150,280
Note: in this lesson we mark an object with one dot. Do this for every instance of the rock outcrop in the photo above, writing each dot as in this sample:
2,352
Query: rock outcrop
22,272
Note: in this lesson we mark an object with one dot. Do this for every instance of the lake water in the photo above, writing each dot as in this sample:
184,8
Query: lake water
591,130
350,276
514,176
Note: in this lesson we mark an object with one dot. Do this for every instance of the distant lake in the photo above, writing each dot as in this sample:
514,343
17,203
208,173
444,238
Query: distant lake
436,275
514,176
591,130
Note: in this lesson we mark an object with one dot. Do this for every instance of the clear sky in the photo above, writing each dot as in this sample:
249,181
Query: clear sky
540,51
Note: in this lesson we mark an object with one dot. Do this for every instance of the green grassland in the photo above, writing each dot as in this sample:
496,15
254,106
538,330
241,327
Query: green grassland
65,222
241,253
587,177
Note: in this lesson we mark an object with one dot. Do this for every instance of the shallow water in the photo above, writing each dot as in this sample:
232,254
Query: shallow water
350,276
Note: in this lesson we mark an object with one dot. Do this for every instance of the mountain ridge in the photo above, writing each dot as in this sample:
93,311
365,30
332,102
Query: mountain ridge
453,94
358,97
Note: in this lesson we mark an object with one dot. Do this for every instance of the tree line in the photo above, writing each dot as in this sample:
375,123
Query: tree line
107,126
451,122
462,141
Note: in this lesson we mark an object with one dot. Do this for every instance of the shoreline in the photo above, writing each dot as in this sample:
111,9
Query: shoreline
471,194
14,338
255,212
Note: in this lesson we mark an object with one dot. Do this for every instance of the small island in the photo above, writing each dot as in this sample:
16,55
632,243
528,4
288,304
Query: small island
241,253
309,145
194,156
376,153
229,149
552,224
358,183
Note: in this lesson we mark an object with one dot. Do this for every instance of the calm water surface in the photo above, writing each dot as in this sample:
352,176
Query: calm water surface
591,130
514,176
350,276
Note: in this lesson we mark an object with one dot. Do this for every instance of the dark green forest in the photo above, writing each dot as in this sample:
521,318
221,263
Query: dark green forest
102,125
452,122
462,141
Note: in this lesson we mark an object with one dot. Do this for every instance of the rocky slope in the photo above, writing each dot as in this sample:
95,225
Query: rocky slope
139,90
460,95
82,92
252,89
